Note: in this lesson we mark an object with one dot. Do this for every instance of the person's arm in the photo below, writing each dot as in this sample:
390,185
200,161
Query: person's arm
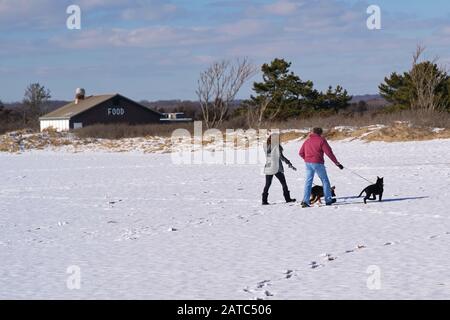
302,151
283,158
329,152
286,160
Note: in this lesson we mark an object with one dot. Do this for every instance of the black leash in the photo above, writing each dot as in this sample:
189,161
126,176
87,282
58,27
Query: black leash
356,174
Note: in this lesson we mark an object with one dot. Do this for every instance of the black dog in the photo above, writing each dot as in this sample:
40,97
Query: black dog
317,193
373,190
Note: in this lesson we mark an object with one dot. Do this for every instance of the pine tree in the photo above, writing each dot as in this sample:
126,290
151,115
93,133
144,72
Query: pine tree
399,90
334,99
287,93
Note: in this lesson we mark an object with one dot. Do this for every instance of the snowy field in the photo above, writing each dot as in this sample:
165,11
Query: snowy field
139,227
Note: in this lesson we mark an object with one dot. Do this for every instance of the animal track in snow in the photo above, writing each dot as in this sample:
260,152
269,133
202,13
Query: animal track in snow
262,284
261,287
289,274
315,265
328,256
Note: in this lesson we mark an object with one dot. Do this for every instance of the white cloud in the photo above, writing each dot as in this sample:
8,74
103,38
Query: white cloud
148,37
283,7
243,28
150,12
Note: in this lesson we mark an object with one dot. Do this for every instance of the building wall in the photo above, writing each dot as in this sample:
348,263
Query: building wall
116,110
59,125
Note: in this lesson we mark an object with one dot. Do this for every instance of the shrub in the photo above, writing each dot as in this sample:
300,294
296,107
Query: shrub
119,131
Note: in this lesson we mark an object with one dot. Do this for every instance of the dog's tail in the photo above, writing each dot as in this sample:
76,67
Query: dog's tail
361,193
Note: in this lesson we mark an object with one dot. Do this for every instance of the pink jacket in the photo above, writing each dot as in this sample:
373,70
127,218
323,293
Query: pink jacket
313,149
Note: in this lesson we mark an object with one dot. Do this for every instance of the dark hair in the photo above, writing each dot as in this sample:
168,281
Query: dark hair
318,131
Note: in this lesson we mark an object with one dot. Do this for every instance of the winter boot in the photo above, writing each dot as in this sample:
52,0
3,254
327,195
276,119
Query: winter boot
264,199
287,197
305,205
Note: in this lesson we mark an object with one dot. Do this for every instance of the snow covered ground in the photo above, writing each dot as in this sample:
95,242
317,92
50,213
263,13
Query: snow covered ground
140,227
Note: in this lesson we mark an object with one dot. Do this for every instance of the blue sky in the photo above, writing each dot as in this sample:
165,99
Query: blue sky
155,49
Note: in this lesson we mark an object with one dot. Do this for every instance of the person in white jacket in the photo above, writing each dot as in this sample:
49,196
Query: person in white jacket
274,167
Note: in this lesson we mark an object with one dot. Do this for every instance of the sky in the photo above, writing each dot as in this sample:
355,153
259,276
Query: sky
156,49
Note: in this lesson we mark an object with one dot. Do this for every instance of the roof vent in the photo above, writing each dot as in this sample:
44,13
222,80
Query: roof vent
79,95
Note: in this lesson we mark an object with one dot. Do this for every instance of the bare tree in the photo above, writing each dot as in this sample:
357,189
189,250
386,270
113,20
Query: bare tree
426,77
218,87
256,114
35,98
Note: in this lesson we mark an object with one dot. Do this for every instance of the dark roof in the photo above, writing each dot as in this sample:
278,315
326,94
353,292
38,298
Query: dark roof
72,109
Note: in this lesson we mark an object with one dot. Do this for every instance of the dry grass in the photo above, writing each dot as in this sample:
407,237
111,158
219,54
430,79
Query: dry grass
292,135
400,133
416,118
395,127
120,131
397,132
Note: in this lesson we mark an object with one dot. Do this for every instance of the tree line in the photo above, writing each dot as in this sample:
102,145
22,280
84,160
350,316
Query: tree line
34,105
282,94
425,87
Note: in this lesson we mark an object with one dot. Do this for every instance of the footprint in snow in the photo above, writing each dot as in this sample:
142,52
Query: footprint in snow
262,284
288,274
268,293
328,257
315,265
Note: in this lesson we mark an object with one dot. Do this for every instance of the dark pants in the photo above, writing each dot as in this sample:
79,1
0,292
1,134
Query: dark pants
280,176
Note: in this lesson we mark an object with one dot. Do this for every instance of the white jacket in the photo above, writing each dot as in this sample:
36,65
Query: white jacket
273,160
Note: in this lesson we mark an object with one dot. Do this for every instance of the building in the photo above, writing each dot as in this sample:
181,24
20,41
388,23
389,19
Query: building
101,109
175,117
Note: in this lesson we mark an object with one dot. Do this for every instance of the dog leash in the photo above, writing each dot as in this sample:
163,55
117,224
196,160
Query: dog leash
356,174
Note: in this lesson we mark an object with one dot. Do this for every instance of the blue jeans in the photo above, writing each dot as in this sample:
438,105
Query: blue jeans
311,169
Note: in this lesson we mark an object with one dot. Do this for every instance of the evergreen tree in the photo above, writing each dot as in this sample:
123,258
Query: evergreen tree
288,94
398,89
334,99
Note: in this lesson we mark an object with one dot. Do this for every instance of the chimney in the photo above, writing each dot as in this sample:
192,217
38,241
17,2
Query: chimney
79,95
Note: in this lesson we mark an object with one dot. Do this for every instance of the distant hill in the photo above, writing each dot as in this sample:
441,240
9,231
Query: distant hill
372,100
192,108
51,105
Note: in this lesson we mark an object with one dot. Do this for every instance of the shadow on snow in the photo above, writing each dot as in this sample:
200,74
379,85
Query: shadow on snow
384,200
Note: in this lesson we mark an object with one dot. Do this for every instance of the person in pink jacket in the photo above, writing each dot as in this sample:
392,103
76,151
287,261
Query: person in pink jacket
312,152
